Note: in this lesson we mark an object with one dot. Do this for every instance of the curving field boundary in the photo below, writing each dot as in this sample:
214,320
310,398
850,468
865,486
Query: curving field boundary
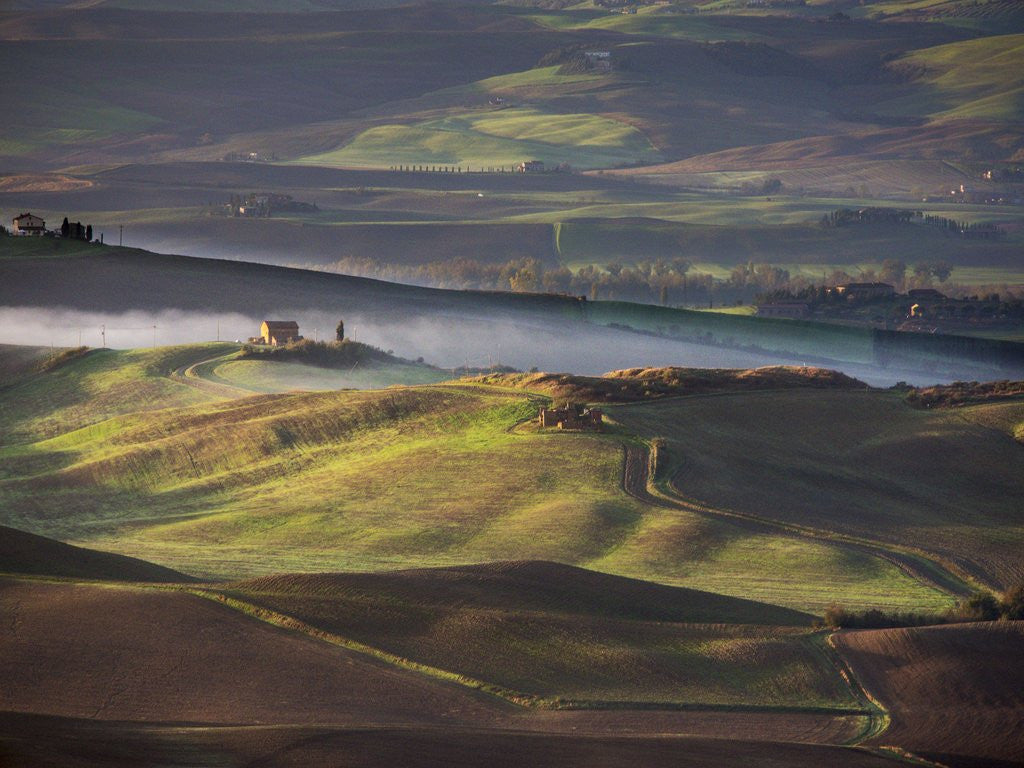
636,482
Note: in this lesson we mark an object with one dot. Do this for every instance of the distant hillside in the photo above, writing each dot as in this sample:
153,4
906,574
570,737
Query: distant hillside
26,553
651,383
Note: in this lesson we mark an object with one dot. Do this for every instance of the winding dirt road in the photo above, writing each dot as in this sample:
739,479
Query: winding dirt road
636,483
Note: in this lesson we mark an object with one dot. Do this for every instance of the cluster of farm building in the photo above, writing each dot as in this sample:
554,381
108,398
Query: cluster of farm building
919,309
30,225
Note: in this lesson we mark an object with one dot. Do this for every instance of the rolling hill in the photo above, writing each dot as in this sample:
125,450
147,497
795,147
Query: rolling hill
324,555
306,482
569,637
25,553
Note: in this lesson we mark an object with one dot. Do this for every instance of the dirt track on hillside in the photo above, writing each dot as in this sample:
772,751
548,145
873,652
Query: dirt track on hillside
635,474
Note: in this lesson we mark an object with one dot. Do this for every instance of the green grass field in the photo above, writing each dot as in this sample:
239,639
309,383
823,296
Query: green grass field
101,385
376,480
974,79
495,138
263,376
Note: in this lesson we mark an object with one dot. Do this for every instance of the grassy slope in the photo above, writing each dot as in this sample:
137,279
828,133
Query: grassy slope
495,138
17,361
863,463
102,384
563,634
264,376
975,79
365,480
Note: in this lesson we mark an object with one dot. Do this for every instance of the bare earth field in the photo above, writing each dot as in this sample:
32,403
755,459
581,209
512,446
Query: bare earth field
954,692
110,674
50,742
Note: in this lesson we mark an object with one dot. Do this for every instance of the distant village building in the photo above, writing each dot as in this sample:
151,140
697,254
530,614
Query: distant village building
278,332
862,291
530,166
572,418
792,310
28,224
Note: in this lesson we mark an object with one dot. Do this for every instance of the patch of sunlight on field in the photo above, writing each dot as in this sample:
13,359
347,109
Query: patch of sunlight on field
407,477
979,78
495,139
687,550
263,376
649,21
539,76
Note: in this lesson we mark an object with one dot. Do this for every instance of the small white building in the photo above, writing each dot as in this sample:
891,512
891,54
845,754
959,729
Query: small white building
28,224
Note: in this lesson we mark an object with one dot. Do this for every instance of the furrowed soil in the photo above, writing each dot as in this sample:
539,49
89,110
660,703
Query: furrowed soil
130,676
954,692
46,742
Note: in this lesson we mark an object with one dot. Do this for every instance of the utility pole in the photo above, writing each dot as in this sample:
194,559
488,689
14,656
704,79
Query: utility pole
314,335
103,333
154,336
218,330
79,337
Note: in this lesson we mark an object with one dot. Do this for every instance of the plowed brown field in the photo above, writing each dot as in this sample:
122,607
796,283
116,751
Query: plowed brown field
955,692
118,675
46,742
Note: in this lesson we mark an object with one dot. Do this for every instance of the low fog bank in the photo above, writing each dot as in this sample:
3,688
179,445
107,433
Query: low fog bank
568,346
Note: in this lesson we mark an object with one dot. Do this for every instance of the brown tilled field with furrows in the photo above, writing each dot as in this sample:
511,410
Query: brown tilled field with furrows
955,692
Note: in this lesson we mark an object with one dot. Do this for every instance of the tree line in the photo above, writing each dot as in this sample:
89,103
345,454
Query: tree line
669,282
979,606
844,217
